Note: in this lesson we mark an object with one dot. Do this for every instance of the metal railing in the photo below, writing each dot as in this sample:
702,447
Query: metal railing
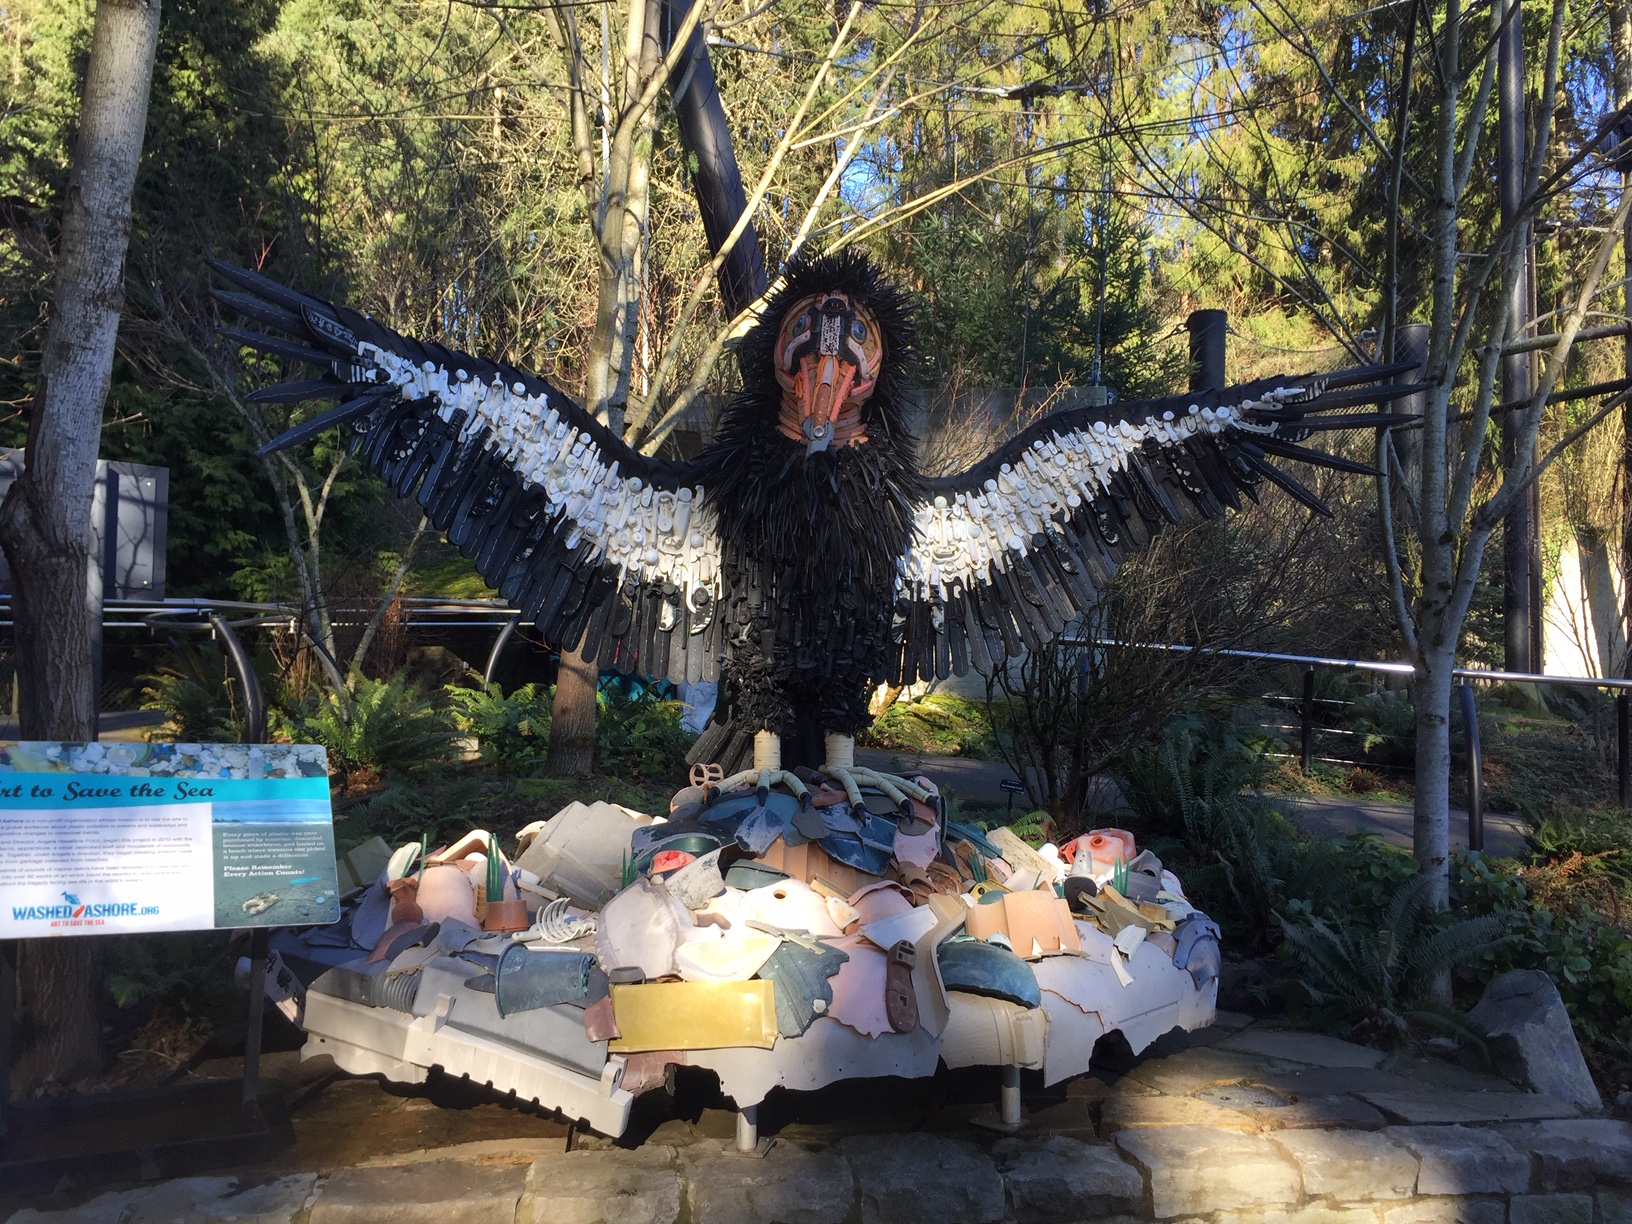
1466,678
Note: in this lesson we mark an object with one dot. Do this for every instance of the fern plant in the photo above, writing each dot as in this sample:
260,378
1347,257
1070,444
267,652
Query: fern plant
1379,978
512,732
390,727
639,732
193,692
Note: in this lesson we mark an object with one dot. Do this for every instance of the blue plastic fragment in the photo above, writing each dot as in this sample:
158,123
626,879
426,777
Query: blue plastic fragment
526,980
976,967
801,974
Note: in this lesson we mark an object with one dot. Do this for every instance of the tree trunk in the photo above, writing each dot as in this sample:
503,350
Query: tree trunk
622,239
45,519
1431,825
572,717
1620,44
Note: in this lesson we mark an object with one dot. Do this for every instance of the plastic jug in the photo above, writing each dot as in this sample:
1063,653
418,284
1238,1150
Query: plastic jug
1104,848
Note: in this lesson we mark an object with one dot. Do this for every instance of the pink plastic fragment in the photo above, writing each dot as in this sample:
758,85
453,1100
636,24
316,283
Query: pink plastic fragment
858,988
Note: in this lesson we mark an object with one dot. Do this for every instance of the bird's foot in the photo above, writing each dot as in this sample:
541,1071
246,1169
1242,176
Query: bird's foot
841,767
854,777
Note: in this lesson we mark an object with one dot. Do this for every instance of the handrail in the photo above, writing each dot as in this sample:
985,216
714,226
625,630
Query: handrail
1489,675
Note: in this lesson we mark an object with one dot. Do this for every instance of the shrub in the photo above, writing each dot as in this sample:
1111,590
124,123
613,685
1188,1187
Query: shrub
385,727
513,732
638,732
1586,954
1377,978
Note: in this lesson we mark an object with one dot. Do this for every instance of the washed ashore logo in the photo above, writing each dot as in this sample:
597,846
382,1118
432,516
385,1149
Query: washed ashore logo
75,912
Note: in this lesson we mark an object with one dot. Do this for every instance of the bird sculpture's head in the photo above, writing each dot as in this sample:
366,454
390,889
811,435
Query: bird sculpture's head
832,353
828,352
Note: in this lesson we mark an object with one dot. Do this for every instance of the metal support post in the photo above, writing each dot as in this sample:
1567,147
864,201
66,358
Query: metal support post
1476,786
257,1010
499,643
1009,1098
1207,331
1307,748
254,699
748,1128
8,1004
1623,750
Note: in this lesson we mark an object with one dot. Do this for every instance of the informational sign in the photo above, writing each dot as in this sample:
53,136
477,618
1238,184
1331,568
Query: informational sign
105,839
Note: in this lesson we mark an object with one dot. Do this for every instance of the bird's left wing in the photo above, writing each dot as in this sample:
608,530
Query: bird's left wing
1007,554
610,553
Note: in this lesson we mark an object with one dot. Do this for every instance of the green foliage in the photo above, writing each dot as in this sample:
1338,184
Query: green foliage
1192,782
1385,721
192,689
185,971
449,804
1582,950
513,732
1377,977
938,724
386,727
638,732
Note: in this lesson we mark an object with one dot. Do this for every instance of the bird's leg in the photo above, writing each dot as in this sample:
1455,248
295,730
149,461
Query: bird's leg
767,771
841,767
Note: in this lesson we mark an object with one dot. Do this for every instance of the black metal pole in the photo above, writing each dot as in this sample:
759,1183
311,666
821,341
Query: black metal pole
1623,750
257,1010
8,1004
1517,527
1207,331
1308,746
499,643
1476,788
254,699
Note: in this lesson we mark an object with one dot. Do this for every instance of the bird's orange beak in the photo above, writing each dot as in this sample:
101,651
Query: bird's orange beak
828,353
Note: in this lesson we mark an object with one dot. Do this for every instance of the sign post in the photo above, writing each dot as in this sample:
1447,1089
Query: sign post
115,838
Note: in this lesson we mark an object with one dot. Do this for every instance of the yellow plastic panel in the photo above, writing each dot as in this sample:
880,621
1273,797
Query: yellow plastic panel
694,1016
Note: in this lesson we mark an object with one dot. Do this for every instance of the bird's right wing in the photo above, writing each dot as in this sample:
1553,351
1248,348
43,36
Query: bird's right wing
610,553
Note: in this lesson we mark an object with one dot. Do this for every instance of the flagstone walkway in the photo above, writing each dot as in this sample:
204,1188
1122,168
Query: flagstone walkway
1238,1123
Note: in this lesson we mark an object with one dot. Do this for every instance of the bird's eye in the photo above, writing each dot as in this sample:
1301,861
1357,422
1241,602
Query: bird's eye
858,329
803,322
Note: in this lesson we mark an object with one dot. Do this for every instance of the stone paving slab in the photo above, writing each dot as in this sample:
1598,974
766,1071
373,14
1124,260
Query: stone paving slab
607,1187
924,1179
1448,1210
1460,1160
1550,1209
787,1186
1123,1113
1314,1049
1612,1206
430,1192
1192,1070
1239,1171
1317,1113
1573,1153
1436,1107
1350,1166
1065,1179
189,1200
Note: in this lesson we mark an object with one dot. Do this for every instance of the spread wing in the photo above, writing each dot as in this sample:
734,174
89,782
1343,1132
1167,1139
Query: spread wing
609,552
1011,551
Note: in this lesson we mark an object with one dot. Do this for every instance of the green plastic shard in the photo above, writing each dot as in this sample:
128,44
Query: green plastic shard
495,871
